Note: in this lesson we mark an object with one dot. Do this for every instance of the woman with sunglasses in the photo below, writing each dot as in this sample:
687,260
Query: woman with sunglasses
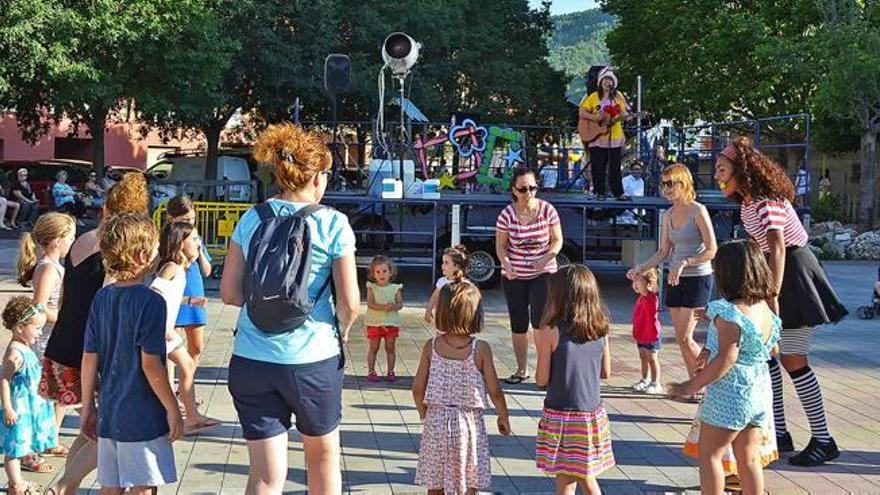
528,237
804,298
687,245
93,191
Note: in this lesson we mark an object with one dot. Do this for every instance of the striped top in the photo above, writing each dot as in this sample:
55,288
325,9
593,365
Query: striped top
526,243
763,215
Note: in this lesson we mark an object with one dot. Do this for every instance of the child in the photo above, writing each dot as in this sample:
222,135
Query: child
28,420
384,301
124,351
454,266
574,435
178,248
192,316
449,391
646,331
737,408
54,234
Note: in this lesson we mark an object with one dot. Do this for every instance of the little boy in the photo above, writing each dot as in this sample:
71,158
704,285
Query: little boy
125,347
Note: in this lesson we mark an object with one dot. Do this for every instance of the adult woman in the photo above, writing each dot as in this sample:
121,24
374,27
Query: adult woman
310,356
607,105
7,205
687,244
805,297
67,200
94,192
528,237
22,193
83,277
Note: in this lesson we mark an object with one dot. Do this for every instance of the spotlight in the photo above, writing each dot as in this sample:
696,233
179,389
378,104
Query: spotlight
400,52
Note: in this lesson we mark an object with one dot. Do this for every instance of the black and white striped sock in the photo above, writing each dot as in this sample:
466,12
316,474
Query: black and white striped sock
778,403
807,386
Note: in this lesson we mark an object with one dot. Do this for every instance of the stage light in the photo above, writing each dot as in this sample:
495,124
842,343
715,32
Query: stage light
400,52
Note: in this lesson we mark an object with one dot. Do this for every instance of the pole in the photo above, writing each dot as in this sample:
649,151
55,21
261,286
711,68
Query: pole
296,107
639,117
402,78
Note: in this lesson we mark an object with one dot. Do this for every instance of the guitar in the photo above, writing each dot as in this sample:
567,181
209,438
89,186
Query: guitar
591,130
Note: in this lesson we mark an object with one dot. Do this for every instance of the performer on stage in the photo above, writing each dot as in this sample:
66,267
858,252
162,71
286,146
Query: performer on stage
604,110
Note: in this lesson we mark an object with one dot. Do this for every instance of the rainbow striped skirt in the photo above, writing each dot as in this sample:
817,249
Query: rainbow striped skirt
574,443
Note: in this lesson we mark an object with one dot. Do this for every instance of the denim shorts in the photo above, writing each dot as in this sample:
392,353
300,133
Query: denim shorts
653,346
266,395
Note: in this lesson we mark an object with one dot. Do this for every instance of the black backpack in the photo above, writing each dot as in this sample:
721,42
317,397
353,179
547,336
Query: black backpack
276,287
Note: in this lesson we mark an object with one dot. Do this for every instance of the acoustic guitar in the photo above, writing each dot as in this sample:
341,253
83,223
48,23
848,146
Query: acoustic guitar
591,130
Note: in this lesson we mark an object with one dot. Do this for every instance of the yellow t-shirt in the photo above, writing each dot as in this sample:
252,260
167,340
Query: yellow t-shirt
591,103
383,295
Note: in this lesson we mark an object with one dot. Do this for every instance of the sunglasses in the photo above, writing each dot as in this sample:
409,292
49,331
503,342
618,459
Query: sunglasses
526,189
669,184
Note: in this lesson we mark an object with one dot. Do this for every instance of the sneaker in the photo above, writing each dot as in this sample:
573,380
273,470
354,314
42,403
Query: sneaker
784,442
654,389
816,453
640,385
391,376
373,377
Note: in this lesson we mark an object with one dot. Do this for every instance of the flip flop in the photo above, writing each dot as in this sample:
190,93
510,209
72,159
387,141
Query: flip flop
732,483
33,464
204,424
59,450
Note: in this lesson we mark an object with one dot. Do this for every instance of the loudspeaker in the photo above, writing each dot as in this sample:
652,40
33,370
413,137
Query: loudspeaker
337,73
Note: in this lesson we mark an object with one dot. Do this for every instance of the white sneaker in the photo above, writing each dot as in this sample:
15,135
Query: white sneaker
654,388
640,385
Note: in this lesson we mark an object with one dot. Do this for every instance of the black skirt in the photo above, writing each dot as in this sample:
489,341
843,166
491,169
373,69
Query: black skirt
807,298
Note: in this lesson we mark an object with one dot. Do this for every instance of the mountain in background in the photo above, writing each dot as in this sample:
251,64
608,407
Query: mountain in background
578,42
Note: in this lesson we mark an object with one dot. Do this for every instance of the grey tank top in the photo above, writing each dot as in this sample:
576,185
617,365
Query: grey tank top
687,242
575,374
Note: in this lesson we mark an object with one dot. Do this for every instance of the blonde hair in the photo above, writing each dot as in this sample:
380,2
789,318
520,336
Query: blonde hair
17,310
122,238
573,297
681,174
459,309
459,257
129,195
381,260
295,155
49,226
651,276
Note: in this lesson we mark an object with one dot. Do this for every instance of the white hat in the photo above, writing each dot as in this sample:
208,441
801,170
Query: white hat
607,72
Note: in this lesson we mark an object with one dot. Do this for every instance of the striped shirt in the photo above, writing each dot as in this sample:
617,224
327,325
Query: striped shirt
526,243
761,216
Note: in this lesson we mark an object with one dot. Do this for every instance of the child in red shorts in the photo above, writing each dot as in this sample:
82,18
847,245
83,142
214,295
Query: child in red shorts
646,332
384,301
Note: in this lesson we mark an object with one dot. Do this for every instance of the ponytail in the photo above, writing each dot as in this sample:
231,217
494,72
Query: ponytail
459,257
27,259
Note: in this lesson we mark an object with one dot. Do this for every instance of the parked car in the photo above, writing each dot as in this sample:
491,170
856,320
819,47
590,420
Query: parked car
41,175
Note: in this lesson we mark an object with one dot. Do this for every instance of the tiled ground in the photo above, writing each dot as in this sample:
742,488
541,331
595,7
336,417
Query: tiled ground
380,431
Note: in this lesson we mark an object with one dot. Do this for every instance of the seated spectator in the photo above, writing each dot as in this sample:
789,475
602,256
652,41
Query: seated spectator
93,192
22,193
7,205
67,200
633,185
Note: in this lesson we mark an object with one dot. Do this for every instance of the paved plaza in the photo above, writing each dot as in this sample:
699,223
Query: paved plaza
381,428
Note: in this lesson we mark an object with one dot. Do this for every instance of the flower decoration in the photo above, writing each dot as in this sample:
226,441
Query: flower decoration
468,138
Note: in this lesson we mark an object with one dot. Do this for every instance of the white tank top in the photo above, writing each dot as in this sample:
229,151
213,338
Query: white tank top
172,292
53,303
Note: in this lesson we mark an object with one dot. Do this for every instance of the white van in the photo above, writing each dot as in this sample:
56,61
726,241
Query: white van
173,170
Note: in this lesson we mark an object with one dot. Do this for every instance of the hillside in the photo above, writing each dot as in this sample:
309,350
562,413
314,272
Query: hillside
579,42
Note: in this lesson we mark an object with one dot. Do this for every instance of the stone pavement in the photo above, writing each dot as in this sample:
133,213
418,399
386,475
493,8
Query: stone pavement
380,430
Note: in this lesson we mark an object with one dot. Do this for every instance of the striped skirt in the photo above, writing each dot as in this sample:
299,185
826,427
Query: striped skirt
574,443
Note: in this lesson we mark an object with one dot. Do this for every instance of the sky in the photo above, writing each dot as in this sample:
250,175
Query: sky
566,6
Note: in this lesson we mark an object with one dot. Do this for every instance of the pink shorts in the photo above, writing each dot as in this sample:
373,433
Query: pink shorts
378,333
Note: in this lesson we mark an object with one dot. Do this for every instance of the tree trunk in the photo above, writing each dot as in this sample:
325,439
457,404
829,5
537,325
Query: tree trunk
212,135
96,129
867,179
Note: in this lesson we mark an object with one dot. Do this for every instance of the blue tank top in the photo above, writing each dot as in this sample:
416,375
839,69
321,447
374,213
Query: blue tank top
575,374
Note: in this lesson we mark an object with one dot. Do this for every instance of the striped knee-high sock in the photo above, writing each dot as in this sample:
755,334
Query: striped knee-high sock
807,386
778,403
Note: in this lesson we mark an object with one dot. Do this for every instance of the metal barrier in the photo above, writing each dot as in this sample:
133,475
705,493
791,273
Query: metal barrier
215,223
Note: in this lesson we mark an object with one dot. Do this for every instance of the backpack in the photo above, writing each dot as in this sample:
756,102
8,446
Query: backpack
278,264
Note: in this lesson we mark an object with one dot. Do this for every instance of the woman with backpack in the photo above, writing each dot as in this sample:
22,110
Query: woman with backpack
291,363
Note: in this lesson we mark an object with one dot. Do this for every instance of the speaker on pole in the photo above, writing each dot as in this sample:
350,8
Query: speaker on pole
337,73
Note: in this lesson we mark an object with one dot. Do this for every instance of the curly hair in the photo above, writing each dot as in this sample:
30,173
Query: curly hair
573,296
458,255
122,238
757,175
381,260
651,276
294,154
129,195
16,311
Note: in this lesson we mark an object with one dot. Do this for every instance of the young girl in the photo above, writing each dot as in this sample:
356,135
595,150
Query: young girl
742,332
178,248
28,420
384,301
54,234
454,267
192,316
574,435
646,331
449,391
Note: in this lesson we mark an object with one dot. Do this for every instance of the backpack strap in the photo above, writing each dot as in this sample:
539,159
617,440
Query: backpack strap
307,210
265,211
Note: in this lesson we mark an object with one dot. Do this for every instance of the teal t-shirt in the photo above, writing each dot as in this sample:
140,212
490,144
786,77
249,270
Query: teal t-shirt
316,339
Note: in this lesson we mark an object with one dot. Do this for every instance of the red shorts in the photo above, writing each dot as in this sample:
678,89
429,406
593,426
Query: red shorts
377,333
61,383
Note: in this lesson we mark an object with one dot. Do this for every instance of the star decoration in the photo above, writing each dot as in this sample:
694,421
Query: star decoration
513,156
447,180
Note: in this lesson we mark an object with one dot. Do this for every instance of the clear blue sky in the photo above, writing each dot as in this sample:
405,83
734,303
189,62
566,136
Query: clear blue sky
566,6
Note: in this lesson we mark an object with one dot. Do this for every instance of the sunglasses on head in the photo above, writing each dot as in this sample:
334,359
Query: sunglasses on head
669,183
526,189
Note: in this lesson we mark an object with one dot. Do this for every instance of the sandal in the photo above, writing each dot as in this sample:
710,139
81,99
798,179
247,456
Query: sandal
59,450
24,488
205,423
34,464
516,379
732,483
